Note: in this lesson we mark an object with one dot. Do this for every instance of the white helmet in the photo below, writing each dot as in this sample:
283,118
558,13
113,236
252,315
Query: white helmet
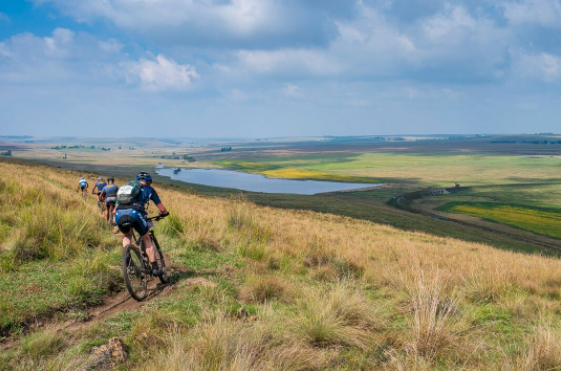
81,178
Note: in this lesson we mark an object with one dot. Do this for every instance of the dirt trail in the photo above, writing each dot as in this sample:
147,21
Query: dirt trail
117,303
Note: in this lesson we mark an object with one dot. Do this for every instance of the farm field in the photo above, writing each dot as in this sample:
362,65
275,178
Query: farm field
420,169
538,220
321,292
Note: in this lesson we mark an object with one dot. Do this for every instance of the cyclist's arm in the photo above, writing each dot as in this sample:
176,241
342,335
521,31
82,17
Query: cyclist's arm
162,208
154,196
94,187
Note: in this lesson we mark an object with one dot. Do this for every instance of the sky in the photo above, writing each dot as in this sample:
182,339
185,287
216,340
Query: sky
269,68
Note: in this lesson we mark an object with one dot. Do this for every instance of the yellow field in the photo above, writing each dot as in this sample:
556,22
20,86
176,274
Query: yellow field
291,173
327,292
541,221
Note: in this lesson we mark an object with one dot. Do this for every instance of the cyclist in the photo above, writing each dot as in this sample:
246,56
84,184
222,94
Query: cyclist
100,184
133,215
109,192
83,184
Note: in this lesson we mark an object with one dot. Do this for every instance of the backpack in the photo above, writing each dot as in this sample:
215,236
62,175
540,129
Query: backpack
129,193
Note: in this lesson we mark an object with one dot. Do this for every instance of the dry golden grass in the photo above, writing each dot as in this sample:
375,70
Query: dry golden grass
334,293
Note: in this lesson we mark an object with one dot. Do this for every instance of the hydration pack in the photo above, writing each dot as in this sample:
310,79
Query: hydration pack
129,193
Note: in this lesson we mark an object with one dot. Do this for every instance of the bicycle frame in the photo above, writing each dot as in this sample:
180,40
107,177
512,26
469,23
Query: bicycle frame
139,242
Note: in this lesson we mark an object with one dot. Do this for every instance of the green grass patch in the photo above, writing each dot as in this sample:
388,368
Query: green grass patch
198,260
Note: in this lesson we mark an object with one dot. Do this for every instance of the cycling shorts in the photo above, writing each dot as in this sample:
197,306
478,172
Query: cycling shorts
110,200
82,188
130,218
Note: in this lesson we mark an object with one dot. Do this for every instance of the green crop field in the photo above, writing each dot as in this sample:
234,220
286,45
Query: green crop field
537,220
435,169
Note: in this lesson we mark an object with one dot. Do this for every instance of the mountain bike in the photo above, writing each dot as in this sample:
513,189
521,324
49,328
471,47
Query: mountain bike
85,194
111,220
101,205
136,266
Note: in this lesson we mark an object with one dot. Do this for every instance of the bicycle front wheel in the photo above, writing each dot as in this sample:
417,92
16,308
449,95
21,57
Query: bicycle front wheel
161,261
136,277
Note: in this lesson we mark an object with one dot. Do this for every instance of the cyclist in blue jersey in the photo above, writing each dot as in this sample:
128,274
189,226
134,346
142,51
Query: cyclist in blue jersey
83,184
109,192
100,184
133,215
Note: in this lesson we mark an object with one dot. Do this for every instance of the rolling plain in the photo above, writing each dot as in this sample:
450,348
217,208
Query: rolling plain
453,264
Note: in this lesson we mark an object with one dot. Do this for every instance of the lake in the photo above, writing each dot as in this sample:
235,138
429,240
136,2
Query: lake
257,182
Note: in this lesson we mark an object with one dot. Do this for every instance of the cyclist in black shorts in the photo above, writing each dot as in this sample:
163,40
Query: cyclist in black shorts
109,192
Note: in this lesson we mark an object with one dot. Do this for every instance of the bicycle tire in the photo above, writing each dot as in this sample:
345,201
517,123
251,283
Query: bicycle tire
162,263
131,253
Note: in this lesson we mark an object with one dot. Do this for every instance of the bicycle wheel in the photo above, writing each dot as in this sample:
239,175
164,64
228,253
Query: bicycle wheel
111,221
101,205
161,261
136,278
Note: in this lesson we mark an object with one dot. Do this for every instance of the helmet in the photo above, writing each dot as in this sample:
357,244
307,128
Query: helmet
99,178
81,178
144,176
110,180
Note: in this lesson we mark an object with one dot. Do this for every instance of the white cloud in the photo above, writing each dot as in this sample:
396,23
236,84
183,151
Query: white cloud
289,61
292,91
544,66
63,56
160,74
69,57
204,22
545,13
372,45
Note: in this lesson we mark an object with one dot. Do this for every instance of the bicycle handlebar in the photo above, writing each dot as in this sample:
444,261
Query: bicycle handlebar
156,218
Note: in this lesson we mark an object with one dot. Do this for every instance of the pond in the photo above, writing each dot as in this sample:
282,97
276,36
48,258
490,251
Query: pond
257,182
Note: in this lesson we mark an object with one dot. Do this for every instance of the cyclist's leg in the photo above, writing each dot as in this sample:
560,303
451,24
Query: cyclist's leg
121,218
150,251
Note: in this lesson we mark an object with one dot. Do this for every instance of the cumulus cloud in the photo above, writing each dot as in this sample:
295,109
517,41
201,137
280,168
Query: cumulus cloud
544,66
453,44
545,13
160,74
63,56
231,23
67,56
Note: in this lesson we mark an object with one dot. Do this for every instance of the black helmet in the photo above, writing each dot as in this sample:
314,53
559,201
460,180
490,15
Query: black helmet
110,179
144,176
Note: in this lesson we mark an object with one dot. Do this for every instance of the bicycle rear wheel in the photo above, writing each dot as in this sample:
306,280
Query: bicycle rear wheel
136,277
111,220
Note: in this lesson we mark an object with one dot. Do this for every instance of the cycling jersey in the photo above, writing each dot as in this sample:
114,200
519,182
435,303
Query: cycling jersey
100,186
83,183
147,193
110,193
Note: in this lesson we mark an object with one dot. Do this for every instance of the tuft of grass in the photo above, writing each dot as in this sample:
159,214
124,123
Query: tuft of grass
42,344
172,226
339,317
432,314
226,345
261,289
543,351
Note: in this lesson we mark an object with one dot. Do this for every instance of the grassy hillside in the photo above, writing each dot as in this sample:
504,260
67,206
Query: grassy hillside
322,292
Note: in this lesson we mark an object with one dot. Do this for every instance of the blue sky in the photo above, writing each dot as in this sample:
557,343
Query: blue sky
262,68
